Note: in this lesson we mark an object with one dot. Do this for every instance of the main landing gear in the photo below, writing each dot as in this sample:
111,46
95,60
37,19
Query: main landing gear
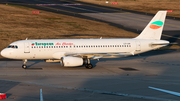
88,65
24,64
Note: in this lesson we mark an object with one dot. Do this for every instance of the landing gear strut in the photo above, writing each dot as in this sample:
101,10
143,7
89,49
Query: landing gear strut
24,64
88,65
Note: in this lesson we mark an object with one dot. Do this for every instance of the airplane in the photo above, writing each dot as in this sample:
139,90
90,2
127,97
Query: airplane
78,52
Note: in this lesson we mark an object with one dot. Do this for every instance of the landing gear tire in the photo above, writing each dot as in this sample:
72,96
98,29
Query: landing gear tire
24,66
89,66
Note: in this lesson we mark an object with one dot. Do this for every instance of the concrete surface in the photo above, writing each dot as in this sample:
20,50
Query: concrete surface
124,79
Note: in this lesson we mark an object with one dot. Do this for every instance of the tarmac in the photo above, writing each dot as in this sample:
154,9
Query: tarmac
125,79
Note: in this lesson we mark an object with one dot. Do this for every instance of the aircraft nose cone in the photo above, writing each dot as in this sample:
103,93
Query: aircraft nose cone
4,53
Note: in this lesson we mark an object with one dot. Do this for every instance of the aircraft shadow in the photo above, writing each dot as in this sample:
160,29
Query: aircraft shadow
142,55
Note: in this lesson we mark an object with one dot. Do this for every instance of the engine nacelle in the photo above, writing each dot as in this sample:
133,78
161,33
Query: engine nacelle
72,61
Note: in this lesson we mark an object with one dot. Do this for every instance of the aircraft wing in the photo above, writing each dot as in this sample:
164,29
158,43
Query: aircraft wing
99,55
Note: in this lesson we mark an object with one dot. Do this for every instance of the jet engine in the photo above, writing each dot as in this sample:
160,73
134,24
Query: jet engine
72,61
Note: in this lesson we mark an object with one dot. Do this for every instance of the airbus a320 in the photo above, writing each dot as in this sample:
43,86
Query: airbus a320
78,52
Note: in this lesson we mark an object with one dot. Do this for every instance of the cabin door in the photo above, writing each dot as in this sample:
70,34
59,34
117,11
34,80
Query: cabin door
26,47
138,46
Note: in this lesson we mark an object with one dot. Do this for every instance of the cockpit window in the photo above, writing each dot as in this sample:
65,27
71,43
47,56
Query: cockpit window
12,46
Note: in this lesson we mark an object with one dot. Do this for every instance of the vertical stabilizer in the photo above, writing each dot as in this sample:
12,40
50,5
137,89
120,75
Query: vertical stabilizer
154,29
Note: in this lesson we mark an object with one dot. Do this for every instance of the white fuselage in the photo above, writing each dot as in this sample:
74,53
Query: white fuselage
47,48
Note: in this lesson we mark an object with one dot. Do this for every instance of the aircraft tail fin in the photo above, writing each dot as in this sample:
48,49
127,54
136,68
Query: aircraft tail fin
154,29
